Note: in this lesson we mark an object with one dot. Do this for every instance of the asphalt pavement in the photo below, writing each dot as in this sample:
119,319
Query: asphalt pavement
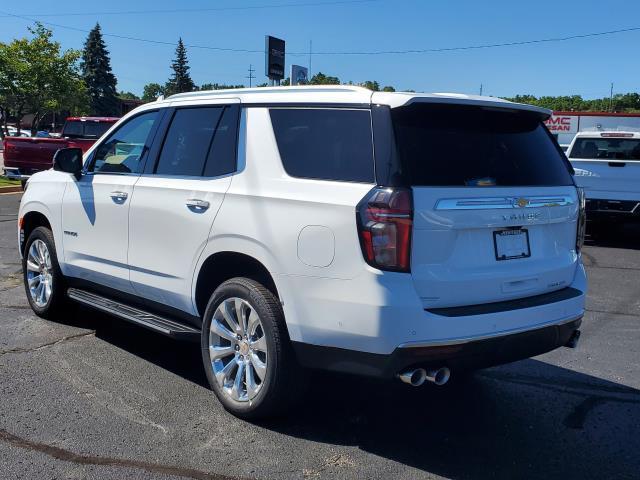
93,397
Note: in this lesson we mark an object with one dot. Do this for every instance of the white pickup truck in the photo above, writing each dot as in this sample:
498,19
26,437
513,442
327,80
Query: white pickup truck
607,165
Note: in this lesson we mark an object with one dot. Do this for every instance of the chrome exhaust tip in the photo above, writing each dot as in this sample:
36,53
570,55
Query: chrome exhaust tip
415,378
439,376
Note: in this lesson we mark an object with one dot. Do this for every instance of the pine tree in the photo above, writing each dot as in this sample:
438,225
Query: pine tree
180,80
97,75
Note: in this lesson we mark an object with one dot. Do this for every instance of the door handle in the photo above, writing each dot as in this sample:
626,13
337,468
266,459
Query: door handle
119,196
197,205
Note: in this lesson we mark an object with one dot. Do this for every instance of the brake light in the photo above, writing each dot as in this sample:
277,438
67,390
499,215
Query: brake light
385,221
582,219
616,135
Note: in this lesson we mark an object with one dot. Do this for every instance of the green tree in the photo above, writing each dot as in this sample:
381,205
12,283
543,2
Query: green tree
388,88
37,77
371,85
322,79
218,86
152,91
97,74
180,80
128,96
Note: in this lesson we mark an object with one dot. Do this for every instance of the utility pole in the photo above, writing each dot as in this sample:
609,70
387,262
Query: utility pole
611,98
310,50
250,76
480,89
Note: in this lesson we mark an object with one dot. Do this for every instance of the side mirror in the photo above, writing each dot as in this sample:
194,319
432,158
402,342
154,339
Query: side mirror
68,160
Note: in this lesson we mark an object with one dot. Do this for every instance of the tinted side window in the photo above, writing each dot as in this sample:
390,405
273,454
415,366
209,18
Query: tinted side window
327,144
122,150
222,154
188,141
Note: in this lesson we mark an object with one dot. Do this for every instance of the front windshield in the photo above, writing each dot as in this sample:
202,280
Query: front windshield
606,148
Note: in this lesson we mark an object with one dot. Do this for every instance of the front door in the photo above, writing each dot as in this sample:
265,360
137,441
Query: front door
95,208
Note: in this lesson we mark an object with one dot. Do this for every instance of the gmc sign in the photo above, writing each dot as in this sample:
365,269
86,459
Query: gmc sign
562,124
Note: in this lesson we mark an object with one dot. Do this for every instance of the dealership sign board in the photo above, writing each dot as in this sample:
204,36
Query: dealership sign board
274,57
299,75
562,124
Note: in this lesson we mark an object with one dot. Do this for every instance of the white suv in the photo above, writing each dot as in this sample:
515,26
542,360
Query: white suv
381,234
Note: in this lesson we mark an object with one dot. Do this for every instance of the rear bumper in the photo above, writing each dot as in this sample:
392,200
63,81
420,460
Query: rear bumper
456,354
14,173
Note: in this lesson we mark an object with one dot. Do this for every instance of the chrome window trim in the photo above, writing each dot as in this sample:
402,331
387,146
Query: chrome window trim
504,202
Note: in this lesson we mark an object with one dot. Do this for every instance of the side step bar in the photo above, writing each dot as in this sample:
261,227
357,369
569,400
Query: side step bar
131,314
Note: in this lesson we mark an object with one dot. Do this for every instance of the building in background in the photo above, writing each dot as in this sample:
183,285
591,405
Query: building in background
565,125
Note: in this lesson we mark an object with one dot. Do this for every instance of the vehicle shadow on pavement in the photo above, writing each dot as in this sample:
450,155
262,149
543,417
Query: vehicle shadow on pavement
529,419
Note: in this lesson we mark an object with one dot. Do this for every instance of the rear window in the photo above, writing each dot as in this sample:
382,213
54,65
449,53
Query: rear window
451,145
79,129
606,148
325,144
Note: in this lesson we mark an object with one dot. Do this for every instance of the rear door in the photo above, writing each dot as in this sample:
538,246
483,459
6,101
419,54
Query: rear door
175,202
495,206
608,165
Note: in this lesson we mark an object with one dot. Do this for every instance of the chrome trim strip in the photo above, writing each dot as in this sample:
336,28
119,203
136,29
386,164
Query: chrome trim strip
504,202
504,333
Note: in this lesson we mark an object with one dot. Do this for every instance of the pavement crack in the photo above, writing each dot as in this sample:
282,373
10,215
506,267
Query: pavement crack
48,344
81,459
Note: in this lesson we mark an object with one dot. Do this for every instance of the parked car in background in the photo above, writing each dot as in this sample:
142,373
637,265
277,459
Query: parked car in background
13,132
391,235
25,156
607,166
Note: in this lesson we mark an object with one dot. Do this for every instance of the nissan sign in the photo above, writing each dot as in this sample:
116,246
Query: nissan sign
562,124
274,58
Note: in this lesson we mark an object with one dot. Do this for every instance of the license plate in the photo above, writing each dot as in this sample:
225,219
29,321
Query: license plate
511,243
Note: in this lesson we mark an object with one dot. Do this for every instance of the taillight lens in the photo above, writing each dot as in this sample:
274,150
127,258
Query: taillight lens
582,219
385,220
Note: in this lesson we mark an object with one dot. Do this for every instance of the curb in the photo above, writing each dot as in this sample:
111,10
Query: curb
11,189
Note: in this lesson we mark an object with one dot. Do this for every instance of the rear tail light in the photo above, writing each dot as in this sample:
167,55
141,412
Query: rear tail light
582,219
385,221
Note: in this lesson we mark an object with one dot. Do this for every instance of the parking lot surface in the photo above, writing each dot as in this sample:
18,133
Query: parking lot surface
94,397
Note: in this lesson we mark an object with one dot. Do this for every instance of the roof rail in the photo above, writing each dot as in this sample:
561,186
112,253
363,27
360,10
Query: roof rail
299,88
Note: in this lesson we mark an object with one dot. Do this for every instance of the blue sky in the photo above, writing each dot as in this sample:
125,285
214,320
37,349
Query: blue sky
585,66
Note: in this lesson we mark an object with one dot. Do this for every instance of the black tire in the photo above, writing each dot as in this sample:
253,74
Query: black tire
278,390
57,300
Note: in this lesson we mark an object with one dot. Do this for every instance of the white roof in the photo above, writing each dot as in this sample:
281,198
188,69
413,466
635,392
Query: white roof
341,94
611,133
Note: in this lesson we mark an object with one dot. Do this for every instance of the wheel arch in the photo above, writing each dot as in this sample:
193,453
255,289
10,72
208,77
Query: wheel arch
221,266
29,222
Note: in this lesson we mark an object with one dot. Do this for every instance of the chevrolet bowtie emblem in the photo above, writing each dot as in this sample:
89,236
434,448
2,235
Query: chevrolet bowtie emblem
521,202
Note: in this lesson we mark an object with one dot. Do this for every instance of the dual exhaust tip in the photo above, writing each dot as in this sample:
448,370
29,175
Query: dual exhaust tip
417,377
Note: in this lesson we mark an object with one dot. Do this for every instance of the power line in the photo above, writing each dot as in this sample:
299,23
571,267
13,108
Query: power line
381,52
199,10
488,45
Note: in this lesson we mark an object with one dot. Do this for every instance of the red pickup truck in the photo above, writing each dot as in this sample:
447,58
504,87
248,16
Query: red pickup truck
24,156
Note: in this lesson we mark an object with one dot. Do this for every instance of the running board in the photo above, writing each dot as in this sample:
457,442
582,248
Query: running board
131,314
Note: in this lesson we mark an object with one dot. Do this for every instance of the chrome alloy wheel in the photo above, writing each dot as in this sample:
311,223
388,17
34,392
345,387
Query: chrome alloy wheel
238,349
39,273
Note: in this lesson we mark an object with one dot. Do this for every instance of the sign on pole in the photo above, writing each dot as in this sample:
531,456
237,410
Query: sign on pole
299,75
274,58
